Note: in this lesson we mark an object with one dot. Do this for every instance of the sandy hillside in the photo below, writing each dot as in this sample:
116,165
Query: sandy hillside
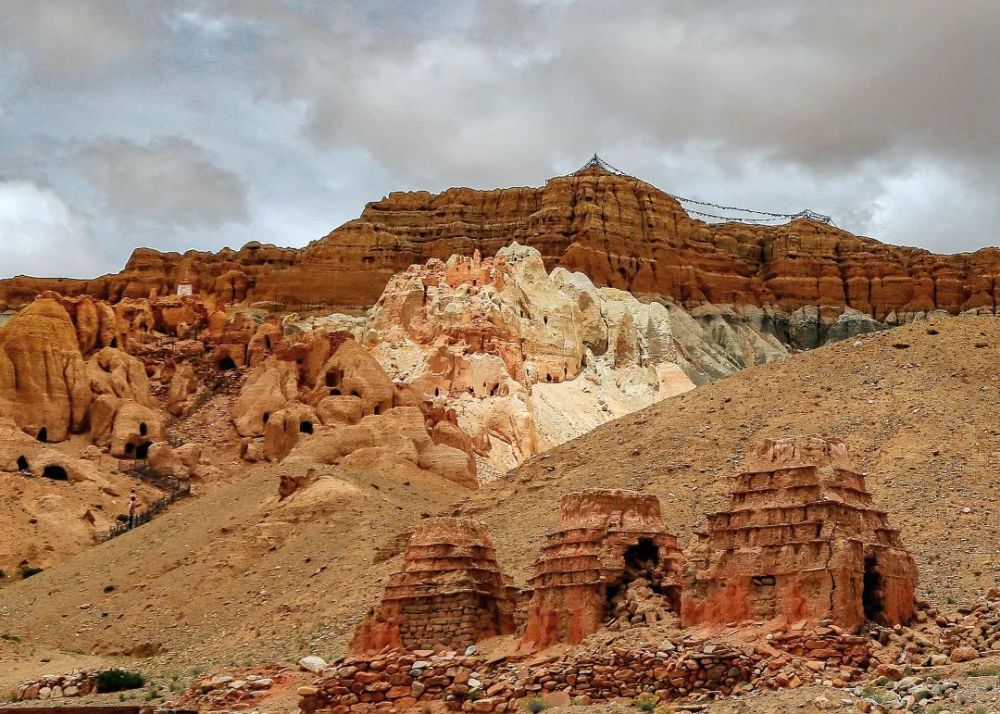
234,578
919,407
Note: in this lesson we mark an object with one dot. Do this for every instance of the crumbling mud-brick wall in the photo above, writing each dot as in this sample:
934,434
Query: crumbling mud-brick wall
450,592
606,538
800,540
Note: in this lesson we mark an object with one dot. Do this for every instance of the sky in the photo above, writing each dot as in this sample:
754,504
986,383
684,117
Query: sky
198,124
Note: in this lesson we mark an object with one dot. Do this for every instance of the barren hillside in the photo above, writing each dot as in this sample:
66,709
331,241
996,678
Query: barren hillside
918,406
236,577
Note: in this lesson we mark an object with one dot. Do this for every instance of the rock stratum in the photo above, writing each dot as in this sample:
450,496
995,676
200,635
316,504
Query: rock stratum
618,230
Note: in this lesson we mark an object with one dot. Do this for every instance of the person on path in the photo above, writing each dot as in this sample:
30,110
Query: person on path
133,509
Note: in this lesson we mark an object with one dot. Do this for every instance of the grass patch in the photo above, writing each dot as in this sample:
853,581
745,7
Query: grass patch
646,702
535,705
989,670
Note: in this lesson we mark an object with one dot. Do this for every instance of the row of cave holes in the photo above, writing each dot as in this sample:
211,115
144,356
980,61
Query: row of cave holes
52,471
140,450
305,426
334,381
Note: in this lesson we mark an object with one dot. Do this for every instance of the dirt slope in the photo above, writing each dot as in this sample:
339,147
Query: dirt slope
235,578
920,411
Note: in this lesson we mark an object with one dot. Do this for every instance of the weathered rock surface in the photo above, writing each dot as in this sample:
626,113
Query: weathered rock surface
525,359
801,540
605,538
450,592
618,230
44,384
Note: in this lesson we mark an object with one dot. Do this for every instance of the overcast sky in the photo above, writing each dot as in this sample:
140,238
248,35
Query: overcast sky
186,124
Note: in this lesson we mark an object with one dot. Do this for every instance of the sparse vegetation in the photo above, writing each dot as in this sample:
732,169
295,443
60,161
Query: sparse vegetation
27,571
986,670
646,702
535,705
118,680
10,638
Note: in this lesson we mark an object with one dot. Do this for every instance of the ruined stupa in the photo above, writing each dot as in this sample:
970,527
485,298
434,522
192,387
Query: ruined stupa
800,540
450,592
605,537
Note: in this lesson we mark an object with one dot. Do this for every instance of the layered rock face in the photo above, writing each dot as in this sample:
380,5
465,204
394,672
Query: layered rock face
618,230
801,540
450,592
526,359
604,536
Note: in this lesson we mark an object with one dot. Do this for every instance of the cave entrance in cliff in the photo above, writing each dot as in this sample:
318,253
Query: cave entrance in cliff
43,435
872,593
226,364
143,429
306,427
114,342
22,463
142,450
55,472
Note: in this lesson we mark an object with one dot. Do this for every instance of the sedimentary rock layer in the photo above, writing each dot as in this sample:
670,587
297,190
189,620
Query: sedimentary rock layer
619,230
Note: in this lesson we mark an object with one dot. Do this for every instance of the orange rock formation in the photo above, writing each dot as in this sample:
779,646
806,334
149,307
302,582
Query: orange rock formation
800,540
450,592
603,533
620,231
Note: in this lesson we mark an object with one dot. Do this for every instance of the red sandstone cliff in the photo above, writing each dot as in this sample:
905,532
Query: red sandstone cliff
618,230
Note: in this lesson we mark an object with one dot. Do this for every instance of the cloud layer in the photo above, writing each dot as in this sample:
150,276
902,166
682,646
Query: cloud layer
194,124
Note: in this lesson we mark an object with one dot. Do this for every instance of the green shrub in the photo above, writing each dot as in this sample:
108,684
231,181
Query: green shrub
534,705
646,702
118,680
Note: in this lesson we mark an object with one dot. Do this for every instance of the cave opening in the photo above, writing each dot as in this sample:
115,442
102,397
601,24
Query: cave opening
142,450
872,593
641,584
226,364
143,429
43,435
22,463
55,472
306,427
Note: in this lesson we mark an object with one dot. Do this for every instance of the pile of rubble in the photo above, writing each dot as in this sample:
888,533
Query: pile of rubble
57,686
639,605
936,638
908,694
241,689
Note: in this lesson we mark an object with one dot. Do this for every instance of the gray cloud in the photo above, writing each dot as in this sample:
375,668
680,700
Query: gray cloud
58,39
284,117
42,236
170,181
